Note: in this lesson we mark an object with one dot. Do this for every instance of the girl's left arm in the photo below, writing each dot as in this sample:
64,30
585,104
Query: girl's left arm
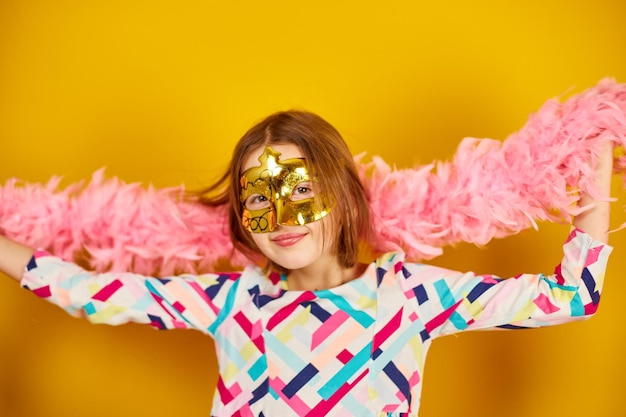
448,301
452,301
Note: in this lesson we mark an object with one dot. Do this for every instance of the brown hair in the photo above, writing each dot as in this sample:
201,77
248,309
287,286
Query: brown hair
328,159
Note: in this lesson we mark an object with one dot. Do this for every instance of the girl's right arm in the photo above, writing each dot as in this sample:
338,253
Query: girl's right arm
120,297
13,258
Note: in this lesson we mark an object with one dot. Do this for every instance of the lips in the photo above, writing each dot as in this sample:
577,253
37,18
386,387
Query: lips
288,239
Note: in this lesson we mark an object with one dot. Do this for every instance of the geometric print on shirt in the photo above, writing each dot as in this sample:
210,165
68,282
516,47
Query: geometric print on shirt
357,349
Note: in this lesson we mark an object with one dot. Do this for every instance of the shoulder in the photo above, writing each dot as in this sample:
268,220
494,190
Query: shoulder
389,267
394,266
396,263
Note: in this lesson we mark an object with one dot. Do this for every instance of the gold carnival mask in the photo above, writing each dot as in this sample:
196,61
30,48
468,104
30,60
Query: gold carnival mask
279,192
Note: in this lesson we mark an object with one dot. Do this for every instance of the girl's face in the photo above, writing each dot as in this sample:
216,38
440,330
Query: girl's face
299,246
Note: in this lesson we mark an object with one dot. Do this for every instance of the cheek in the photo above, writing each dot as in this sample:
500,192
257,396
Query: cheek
325,230
259,239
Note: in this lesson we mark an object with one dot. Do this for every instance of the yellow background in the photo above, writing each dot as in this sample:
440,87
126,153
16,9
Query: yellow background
158,91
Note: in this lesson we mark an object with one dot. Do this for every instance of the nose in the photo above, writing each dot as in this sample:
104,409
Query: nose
278,206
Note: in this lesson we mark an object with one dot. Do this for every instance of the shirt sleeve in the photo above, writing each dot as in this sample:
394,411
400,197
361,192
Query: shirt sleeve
116,298
449,301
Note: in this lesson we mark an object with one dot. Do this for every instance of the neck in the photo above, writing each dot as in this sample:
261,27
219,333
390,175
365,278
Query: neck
322,276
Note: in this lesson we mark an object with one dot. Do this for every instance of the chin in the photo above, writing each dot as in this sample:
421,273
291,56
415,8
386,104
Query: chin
291,264
295,261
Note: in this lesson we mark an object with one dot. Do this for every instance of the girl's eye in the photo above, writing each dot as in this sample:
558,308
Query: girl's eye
302,192
257,202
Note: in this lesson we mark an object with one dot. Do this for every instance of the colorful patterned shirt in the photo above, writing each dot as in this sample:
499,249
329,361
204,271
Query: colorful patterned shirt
354,350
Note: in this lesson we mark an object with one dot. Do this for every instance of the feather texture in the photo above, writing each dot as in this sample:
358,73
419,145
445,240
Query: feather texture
489,189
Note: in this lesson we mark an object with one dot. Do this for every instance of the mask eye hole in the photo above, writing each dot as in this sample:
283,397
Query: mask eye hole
303,191
256,202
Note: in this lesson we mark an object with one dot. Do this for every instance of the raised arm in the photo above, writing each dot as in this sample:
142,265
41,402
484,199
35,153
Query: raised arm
595,220
116,298
13,258
450,301
175,302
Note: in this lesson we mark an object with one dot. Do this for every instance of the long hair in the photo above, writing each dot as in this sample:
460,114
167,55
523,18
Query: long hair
329,161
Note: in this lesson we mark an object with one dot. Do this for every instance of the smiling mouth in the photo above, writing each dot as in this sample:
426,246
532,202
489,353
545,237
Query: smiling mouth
288,239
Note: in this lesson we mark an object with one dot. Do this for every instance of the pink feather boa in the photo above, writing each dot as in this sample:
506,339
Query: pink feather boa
490,189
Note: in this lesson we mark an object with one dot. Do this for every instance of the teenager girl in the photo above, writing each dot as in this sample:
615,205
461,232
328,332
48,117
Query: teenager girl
310,329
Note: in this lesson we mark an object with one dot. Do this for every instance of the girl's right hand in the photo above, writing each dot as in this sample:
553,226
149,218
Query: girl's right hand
13,258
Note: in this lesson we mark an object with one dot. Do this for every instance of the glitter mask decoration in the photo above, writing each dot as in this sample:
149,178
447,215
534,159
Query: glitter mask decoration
279,192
